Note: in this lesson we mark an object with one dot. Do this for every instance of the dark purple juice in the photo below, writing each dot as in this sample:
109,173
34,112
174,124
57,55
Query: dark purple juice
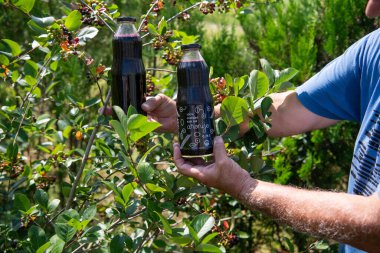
128,72
195,108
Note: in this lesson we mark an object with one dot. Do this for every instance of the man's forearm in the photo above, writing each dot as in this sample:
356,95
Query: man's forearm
288,116
350,219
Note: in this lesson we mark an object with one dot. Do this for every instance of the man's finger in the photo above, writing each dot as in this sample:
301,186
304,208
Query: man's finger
183,166
150,104
219,149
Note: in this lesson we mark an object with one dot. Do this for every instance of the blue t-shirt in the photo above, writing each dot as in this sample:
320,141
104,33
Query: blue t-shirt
348,88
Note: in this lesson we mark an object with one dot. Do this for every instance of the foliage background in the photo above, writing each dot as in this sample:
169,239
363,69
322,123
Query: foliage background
304,35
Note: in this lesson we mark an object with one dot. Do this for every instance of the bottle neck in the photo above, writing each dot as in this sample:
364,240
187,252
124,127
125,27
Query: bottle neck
192,54
126,29
127,42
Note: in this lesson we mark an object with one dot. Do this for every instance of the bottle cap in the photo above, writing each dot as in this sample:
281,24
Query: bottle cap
190,46
121,19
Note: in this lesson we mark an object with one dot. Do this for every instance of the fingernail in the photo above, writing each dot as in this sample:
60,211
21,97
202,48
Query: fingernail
218,140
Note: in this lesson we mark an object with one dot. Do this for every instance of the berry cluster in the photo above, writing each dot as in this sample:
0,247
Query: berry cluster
4,71
206,7
68,43
14,170
159,6
90,15
150,87
44,181
172,56
225,5
160,40
185,16
218,85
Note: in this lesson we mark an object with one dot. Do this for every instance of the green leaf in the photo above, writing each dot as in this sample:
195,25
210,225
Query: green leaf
152,30
89,213
87,33
168,230
64,231
121,115
53,66
162,26
127,191
30,80
139,126
284,87
42,198
73,20
321,245
13,46
284,76
91,102
181,240
268,70
238,85
12,151
37,237
202,224
112,187
155,188
24,5
4,60
36,28
265,106
242,235
43,22
145,172
258,84
21,202
121,132
289,244
192,232
209,237
117,244
67,215
234,110
43,248
56,244
208,248
53,205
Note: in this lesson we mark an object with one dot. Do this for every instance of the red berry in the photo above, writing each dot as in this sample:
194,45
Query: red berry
226,225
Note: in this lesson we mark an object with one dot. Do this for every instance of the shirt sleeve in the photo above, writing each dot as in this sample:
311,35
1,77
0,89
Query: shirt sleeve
334,92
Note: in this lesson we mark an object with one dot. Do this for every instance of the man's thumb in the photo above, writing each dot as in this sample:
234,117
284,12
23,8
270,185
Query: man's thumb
219,149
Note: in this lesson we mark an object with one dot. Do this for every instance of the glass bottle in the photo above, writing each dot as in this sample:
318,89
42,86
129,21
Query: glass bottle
194,104
128,72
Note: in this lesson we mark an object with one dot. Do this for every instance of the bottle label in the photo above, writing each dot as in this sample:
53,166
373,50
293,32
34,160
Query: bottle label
196,128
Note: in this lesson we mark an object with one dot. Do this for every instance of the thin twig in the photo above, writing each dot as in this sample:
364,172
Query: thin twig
26,98
86,155
177,15
163,70
185,10
110,192
146,15
144,238
96,13
95,79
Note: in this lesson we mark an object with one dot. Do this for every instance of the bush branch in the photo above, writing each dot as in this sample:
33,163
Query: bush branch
86,155
146,15
177,15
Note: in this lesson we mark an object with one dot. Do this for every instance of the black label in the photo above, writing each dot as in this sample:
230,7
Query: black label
196,129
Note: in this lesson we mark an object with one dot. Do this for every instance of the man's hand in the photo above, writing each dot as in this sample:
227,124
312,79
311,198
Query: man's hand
163,110
223,174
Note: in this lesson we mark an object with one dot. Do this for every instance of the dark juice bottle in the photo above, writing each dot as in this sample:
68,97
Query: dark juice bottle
194,104
128,72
